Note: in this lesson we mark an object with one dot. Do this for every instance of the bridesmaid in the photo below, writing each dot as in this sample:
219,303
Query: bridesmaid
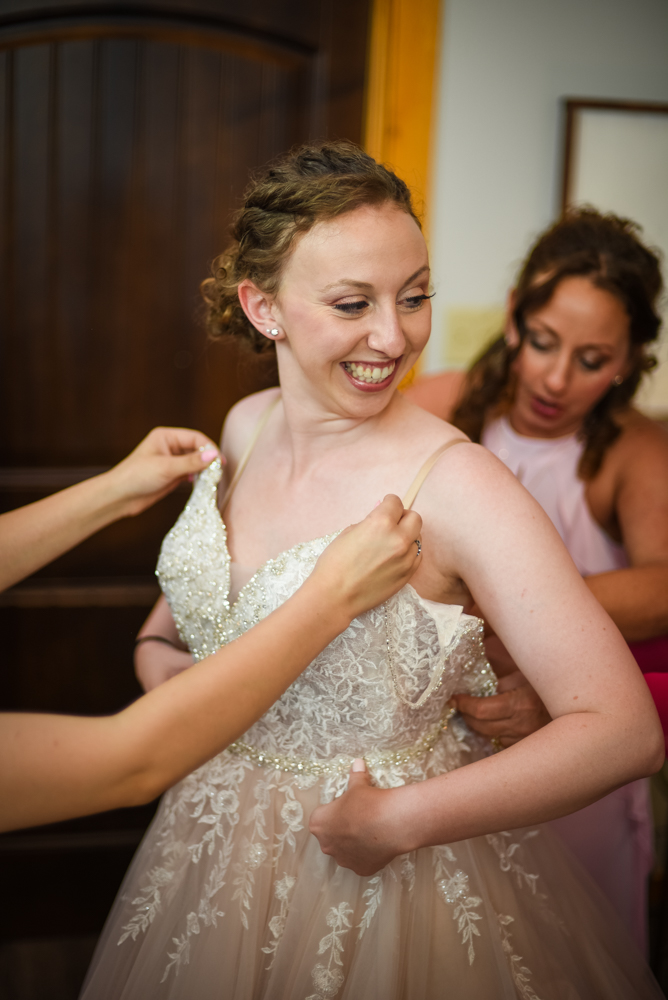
552,398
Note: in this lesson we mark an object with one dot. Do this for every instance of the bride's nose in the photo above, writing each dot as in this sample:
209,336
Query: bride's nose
386,334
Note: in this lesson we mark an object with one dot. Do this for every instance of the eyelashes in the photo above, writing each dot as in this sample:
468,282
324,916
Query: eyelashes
357,308
586,364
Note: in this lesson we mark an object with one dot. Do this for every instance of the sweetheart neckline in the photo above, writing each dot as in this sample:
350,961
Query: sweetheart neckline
219,519
285,552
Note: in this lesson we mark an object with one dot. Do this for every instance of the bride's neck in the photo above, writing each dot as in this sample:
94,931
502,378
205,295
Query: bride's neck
312,427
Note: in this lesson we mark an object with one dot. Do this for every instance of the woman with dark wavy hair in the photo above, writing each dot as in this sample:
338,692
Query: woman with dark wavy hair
552,398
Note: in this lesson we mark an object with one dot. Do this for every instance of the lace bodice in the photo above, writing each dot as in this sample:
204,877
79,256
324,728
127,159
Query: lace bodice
349,700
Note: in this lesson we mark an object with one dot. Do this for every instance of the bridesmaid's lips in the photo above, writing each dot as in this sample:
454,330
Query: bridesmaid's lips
543,408
371,386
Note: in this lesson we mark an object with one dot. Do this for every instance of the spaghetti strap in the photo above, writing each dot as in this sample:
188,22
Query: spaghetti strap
257,430
415,486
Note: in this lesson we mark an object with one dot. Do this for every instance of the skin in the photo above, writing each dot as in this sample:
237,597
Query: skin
326,451
55,767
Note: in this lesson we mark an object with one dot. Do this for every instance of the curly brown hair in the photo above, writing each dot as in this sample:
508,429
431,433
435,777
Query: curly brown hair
309,184
608,251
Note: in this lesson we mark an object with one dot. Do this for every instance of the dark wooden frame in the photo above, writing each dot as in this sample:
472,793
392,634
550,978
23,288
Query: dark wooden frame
573,106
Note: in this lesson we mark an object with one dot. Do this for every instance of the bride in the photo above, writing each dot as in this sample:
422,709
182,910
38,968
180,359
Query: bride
229,895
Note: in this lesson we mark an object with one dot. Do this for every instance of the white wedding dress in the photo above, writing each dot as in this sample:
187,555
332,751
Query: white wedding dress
229,896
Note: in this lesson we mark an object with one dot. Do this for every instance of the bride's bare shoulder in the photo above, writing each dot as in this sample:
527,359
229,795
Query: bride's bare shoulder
241,421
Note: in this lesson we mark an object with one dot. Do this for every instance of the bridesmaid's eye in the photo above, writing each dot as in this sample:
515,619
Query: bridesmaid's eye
593,364
538,344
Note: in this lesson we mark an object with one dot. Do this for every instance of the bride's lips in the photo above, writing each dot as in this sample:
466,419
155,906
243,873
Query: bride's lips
545,408
370,366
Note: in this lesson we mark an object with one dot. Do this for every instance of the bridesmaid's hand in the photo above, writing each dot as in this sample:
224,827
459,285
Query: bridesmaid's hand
166,457
515,712
368,562
358,829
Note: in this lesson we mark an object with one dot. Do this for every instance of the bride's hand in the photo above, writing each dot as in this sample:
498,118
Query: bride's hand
370,561
358,828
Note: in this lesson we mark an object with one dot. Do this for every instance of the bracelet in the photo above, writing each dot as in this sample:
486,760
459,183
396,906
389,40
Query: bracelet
157,638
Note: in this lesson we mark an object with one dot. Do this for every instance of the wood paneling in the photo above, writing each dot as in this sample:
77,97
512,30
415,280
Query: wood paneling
127,135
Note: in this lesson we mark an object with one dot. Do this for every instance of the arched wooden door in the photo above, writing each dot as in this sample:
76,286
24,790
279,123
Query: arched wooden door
127,134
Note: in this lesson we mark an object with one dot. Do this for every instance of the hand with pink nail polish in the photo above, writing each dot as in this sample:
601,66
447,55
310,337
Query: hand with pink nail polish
36,534
166,457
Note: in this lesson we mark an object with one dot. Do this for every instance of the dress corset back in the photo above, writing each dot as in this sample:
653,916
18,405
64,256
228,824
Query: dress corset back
358,696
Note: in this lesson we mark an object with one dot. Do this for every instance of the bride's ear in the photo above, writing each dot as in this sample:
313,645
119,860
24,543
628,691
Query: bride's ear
259,308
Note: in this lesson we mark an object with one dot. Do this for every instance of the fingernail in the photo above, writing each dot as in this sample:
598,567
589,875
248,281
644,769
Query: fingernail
207,453
358,765
377,504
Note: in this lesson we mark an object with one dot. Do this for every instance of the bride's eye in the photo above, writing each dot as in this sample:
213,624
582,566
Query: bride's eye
352,308
415,301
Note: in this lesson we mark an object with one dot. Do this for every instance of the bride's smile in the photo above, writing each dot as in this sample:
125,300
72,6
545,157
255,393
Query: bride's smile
352,310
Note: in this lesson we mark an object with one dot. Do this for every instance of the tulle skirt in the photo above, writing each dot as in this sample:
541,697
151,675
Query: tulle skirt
229,897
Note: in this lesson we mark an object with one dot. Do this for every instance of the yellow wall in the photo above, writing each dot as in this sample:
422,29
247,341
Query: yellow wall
401,82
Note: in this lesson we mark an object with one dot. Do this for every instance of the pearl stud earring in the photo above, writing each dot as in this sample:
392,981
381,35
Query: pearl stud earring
274,333
617,380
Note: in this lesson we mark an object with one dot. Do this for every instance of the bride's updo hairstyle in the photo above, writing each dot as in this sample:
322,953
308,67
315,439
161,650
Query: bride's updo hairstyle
311,183
608,251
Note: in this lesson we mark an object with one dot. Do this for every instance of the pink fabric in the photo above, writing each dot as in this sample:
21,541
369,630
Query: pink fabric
612,838
658,686
547,468
651,654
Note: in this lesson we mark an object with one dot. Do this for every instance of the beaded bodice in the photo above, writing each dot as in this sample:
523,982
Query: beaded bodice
361,692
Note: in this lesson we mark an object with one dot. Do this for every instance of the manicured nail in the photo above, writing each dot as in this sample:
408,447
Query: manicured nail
208,453
358,765
377,504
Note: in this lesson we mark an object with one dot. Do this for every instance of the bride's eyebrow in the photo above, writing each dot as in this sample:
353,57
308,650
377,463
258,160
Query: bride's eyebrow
351,283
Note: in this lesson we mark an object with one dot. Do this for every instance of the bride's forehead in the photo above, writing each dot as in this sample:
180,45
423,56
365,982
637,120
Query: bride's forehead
368,234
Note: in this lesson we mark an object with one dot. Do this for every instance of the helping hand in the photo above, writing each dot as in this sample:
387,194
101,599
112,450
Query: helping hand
370,561
515,712
165,457
357,829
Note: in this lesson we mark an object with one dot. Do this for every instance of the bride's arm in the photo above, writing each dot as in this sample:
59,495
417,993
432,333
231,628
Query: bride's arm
55,767
605,730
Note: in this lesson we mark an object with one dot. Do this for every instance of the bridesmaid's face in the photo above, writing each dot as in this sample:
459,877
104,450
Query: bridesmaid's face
353,308
574,347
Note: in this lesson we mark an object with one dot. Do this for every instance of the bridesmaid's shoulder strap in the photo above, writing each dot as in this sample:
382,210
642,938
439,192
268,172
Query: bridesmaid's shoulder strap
415,486
257,430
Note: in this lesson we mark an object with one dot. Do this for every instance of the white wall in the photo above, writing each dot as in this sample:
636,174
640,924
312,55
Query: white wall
505,65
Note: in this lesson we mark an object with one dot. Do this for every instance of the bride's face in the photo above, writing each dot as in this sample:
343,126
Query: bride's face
353,309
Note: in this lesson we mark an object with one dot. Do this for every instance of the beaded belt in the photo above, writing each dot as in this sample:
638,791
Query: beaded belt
341,764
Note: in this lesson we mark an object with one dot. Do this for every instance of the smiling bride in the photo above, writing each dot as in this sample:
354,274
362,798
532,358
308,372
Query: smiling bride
462,896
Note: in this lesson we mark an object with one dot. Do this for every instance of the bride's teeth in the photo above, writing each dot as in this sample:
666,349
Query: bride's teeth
368,374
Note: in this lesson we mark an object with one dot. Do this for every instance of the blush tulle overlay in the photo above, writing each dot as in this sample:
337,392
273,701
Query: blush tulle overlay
229,896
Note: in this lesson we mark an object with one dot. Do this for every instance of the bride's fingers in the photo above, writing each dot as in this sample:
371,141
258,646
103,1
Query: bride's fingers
411,525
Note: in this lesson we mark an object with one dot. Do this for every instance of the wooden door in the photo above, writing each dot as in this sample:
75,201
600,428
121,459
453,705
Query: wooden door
126,140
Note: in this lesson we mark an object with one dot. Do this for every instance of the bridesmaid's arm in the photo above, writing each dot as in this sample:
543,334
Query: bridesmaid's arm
637,598
156,661
57,767
605,731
